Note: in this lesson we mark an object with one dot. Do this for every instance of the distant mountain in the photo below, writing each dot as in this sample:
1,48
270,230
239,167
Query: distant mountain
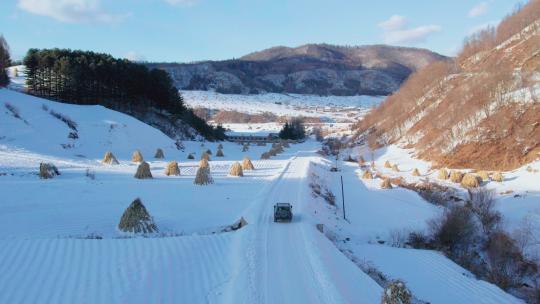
320,69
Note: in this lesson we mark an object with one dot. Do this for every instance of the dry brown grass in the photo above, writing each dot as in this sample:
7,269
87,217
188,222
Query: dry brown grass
219,153
247,164
387,164
443,174
386,184
136,219
367,175
395,168
236,170
498,177
456,176
137,157
203,176
143,171
172,169
159,154
47,171
415,172
471,180
109,159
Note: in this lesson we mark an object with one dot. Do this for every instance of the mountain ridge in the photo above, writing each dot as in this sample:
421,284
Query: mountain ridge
320,69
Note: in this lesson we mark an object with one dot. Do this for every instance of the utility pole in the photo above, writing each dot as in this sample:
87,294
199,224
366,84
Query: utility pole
343,198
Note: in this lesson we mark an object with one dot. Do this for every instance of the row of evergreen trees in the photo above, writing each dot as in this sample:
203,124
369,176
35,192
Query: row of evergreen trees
84,77
293,129
5,62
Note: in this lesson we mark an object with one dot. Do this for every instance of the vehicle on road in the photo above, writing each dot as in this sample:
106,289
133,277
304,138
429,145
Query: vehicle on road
283,212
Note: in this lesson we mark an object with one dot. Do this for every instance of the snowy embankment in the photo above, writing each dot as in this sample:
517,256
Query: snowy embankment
376,219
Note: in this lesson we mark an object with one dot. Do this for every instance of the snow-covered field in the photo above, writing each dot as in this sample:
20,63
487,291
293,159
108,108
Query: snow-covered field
328,108
59,242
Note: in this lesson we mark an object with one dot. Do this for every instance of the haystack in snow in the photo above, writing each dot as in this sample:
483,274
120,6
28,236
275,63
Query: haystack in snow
361,160
386,184
204,163
443,174
456,176
387,164
47,171
220,146
483,175
203,176
236,170
137,157
531,169
172,169
109,159
209,152
245,148
367,175
396,293
159,154
136,219
498,177
415,172
471,180
205,156
395,168
143,171
190,156
265,155
219,153
247,164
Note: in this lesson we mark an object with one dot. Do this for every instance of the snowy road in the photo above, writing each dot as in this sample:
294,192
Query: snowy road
292,262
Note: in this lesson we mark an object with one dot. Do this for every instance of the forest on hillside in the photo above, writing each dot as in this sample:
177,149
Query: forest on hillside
476,111
84,77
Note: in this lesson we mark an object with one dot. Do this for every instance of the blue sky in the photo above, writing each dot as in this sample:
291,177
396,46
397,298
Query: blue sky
192,30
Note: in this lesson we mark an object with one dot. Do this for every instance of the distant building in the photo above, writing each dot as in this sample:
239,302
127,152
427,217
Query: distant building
237,137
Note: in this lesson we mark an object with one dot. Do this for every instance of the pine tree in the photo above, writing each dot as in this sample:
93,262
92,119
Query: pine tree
5,62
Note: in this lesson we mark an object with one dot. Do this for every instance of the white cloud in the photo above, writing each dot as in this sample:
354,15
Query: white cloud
397,31
182,2
479,10
411,36
395,22
69,10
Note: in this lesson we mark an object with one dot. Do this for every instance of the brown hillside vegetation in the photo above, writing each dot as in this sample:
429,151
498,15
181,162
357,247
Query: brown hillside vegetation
480,111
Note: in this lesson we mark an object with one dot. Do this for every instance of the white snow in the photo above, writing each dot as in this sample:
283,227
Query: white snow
48,228
328,108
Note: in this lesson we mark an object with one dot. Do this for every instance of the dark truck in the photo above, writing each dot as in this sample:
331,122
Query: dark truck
282,212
